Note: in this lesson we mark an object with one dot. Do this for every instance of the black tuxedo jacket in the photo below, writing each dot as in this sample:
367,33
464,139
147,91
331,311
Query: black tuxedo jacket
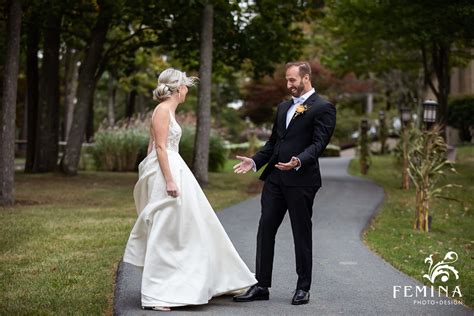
306,137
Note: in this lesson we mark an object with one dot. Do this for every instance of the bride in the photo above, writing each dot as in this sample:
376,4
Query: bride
186,255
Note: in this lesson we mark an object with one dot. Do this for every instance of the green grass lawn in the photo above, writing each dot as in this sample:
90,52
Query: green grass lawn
60,244
391,234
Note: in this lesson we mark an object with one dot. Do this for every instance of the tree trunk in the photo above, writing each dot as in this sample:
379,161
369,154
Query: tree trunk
217,108
443,73
388,105
32,79
90,123
24,127
47,129
140,108
85,91
130,106
112,92
70,88
203,128
405,175
364,152
8,102
440,66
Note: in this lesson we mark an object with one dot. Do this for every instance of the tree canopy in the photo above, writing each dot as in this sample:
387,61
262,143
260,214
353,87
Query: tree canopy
379,36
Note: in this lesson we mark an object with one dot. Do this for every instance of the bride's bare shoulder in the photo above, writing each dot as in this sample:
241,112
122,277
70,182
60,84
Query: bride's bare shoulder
160,111
160,115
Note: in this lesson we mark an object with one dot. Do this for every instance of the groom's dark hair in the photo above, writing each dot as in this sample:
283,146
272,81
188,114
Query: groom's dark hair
303,67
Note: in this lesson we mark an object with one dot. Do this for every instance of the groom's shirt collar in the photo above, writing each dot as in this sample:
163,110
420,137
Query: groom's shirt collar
301,99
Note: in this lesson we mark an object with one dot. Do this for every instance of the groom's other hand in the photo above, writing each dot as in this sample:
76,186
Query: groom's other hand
292,164
246,164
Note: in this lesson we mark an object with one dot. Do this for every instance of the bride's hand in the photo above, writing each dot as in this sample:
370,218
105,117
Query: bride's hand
172,189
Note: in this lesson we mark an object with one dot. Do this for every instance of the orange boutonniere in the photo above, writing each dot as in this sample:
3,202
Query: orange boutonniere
300,109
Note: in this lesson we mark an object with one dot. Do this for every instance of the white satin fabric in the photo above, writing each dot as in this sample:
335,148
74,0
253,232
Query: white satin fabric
186,255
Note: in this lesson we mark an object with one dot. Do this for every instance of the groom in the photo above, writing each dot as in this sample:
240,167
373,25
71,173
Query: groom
302,129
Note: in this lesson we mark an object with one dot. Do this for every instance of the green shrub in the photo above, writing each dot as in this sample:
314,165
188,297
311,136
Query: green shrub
461,116
118,149
86,160
217,154
186,145
233,123
122,147
331,151
347,122
241,149
217,151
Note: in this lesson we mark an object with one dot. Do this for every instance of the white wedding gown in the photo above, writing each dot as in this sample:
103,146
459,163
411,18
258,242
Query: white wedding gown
186,255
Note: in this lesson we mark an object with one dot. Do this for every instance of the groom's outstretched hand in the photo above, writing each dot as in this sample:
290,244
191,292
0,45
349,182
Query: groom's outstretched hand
293,163
245,164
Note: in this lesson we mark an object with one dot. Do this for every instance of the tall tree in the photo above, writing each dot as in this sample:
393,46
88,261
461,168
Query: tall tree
130,104
8,102
71,73
86,87
132,25
32,78
47,129
90,123
111,95
252,36
383,35
201,147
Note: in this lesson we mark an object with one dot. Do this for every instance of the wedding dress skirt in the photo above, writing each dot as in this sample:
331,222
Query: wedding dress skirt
186,255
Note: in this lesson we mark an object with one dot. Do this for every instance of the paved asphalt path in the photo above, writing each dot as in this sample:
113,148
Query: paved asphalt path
347,277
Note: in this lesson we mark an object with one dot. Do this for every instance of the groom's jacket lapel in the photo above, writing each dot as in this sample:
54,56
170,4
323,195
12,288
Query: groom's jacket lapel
309,103
282,115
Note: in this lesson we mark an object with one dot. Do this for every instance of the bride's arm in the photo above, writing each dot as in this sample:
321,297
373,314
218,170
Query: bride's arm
160,126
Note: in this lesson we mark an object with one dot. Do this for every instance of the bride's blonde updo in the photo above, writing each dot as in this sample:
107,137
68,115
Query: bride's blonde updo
169,82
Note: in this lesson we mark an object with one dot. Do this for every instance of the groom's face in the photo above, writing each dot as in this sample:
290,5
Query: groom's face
294,82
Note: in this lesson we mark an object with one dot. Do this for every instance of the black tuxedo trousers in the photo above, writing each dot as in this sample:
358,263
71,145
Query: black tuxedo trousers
277,198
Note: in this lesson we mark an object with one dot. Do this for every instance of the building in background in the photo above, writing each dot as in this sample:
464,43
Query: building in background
462,80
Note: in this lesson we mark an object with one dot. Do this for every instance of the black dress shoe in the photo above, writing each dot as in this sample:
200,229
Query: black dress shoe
254,293
300,297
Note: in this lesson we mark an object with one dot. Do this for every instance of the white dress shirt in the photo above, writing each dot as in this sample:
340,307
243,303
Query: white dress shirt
296,101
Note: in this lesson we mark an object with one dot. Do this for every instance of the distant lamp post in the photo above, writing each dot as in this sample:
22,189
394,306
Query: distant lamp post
382,115
382,132
364,125
364,146
405,115
430,108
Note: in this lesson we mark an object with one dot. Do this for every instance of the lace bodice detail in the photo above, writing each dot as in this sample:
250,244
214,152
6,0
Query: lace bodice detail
174,135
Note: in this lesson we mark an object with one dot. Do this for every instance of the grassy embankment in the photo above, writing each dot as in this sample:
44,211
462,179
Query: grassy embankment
391,233
60,244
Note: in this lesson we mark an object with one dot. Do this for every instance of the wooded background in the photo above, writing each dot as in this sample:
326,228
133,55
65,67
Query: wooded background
66,66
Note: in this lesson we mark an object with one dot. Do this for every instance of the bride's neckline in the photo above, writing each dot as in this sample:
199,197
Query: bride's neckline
169,110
